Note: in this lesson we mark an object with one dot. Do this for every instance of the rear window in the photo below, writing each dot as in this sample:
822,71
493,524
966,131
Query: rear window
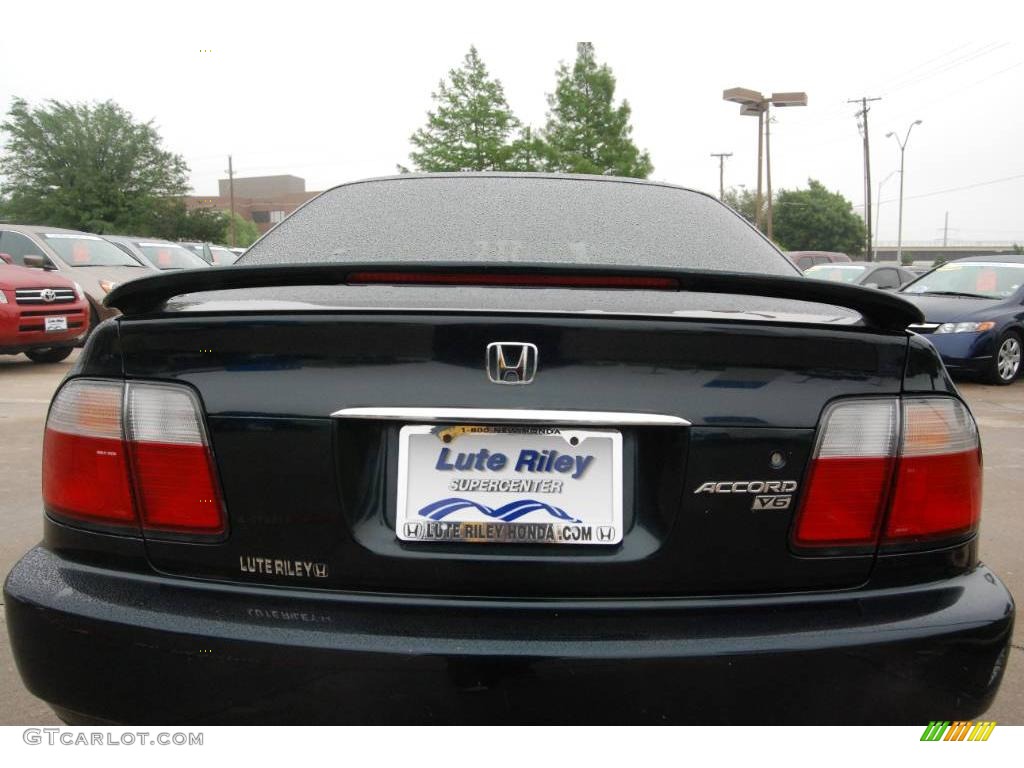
88,251
502,219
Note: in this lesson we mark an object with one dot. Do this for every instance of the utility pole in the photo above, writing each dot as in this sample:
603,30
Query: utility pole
721,172
863,114
760,165
231,193
945,231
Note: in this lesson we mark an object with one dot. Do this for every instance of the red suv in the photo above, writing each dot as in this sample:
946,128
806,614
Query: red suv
41,314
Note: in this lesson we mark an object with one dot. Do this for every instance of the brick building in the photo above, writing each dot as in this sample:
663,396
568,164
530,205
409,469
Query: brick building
264,200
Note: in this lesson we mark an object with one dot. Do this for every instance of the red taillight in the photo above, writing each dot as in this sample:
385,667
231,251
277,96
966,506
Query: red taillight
917,459
176,487
849,475
131,455
938,480
85,462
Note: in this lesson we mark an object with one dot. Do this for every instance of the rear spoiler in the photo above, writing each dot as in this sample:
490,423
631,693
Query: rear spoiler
878,308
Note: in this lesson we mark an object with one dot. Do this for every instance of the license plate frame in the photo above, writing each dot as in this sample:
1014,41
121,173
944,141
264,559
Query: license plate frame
55,324
516,501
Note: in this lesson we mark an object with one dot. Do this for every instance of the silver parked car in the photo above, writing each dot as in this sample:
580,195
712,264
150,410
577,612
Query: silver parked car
887,276
215,255
158,254
86,259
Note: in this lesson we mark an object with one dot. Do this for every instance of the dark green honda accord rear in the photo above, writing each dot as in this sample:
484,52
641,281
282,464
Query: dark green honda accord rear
504,449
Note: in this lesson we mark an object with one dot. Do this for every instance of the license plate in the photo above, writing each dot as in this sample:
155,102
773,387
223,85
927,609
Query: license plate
517,484
55,323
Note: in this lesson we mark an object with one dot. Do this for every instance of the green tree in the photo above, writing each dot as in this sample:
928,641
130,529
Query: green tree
471,128
85,166
585,131
743,201
815,219
528,153
174,221
205,225
170,219
246,232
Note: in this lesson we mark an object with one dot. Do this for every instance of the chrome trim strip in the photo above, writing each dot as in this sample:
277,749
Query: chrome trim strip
35,295
512,416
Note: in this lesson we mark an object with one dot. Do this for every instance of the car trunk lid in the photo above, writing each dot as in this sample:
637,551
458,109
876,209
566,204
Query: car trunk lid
311,492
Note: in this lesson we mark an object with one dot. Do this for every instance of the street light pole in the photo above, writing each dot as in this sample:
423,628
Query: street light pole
903,148
878,212
899,227
756,103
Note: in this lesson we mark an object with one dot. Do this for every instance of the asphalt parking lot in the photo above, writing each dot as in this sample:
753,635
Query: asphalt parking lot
25,390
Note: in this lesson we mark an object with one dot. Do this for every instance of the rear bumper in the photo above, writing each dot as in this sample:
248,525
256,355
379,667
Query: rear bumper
107,645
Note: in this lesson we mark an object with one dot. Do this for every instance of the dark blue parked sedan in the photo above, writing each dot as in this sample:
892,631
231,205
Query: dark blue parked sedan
974,314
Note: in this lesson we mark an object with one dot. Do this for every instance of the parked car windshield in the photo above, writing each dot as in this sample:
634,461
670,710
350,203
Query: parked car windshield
525,219
170,256
986,279
223,256
836,273
88,251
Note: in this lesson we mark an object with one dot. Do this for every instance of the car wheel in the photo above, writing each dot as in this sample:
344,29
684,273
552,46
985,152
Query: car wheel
1006,362
48,354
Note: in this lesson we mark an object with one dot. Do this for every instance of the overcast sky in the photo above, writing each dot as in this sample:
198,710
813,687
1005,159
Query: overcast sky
331,91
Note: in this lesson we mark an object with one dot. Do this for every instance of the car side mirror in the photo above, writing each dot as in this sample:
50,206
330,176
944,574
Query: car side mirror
6,258
38,262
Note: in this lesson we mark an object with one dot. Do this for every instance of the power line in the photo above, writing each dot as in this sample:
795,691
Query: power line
914,106
916,73
966,186
950,93
837,112
926,62
946,66
953,189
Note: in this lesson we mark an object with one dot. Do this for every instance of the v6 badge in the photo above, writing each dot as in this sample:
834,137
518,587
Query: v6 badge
772,502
